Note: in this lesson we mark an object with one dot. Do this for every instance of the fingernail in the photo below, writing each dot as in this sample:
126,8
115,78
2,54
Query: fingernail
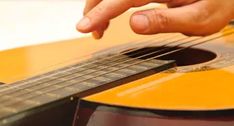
84,24
140,23
97,34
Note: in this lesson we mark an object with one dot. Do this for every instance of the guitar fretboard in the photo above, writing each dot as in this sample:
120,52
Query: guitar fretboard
77,80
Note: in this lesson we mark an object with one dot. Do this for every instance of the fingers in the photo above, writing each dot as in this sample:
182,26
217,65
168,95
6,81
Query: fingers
98,33
191,20
103,12
99,12
90,4
191,17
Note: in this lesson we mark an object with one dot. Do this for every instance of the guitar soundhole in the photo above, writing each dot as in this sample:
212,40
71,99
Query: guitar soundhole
189,56
231,22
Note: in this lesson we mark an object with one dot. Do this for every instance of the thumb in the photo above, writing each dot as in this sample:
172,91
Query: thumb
186,19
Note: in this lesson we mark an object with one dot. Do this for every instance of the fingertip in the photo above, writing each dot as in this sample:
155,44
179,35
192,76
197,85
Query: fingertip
139,23
97,34
84,25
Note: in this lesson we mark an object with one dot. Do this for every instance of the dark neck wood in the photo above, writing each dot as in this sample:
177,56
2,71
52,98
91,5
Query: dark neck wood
74,81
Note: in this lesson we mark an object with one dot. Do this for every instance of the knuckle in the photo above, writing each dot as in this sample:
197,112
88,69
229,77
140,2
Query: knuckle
159,20
201,15
208,27
98,10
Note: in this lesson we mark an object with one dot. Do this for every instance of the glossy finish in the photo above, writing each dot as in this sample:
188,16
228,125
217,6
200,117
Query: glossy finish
200,90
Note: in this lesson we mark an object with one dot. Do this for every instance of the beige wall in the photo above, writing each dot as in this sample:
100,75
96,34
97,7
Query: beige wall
27,22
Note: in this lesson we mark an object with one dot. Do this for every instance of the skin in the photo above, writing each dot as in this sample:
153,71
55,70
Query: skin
190,17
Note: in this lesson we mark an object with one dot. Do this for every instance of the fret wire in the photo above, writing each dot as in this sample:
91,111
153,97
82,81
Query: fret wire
173,51
139,67
179,50
22,91
144,55
50,80
51,84
89,77
70,84
35,91
14,99
48,94
17,100
51,95
8,97
129,71
132,61
62,68
170,52
71,73
139,43
19,106
86,65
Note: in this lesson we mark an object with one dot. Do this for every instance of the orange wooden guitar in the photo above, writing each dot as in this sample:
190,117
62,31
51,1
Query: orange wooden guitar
130,80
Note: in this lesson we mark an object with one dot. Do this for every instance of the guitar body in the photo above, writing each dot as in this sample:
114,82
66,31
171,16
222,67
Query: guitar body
198,92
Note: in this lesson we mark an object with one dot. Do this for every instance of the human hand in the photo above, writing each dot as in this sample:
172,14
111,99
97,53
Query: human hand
190,17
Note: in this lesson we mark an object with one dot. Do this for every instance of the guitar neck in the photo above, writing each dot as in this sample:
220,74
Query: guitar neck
69,83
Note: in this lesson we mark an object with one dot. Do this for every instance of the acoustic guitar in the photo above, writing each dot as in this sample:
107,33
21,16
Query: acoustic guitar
122,80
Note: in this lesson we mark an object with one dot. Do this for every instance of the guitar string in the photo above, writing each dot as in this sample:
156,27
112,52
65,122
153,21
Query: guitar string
180,49
16,84
81,58
165,54
40,87
10,86
70,67
81,75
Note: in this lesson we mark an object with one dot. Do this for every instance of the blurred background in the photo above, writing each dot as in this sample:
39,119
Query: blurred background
30,22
